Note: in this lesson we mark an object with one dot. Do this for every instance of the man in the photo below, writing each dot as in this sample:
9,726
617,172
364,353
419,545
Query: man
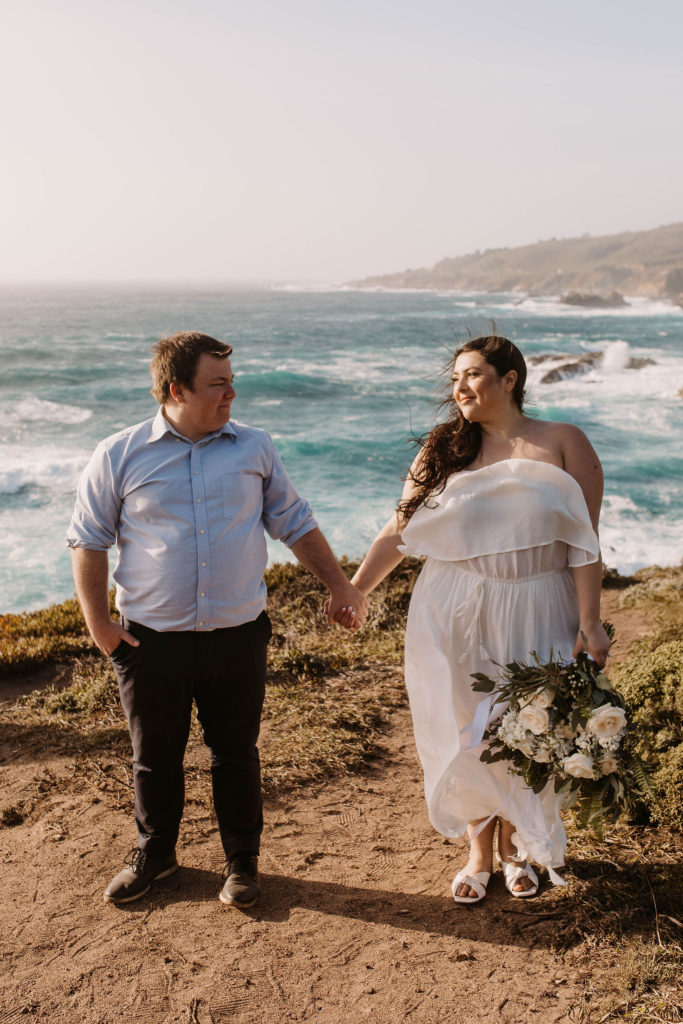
186,497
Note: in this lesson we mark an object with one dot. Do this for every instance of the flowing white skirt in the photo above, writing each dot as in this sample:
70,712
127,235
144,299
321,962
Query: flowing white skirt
464,617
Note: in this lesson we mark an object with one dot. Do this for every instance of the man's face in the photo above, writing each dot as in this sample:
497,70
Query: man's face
206,407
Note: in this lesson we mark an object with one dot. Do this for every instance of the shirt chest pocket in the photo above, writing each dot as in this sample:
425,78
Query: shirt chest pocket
243,495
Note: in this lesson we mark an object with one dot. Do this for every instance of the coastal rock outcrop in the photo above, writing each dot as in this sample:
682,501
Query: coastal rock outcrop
593,301
574,366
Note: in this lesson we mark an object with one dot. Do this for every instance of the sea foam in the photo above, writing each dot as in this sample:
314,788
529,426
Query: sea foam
31,409
48,467
630,537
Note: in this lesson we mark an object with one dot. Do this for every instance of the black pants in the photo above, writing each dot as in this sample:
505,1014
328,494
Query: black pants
224,672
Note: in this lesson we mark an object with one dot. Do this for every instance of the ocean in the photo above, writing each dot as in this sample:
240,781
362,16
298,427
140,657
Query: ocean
342,379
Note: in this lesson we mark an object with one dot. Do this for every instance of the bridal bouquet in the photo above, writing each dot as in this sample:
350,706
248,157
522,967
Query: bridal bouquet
564,723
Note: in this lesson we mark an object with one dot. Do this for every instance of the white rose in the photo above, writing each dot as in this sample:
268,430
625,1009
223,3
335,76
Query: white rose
542,756
526,749
542,699
608,764
606,721
579,765
534,719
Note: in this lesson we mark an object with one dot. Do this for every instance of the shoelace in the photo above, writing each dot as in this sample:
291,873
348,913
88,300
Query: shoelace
242,863
136,859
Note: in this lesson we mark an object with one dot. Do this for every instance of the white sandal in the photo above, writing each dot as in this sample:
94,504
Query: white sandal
477,882
513,871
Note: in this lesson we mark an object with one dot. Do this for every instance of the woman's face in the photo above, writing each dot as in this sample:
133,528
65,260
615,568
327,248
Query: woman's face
478,389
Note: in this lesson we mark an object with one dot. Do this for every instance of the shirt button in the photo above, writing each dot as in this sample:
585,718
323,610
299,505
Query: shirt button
199,501
201,531
202,594
201,623
196,472
204,564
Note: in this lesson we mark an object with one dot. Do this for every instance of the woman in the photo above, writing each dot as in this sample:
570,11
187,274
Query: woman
506,510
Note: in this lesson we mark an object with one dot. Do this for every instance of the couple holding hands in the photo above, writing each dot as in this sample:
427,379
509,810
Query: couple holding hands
505,509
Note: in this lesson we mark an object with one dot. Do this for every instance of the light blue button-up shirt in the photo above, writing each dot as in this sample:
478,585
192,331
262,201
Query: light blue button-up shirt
188,519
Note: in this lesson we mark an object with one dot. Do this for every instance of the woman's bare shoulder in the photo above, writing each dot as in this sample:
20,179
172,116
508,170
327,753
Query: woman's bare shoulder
561,438
566,445
554,430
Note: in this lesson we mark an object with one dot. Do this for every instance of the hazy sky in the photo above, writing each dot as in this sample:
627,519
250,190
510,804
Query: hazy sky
327,139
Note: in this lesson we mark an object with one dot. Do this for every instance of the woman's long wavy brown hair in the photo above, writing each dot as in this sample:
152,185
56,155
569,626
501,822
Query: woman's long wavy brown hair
455,443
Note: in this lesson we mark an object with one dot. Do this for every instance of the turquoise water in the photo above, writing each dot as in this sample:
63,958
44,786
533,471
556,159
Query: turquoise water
341,379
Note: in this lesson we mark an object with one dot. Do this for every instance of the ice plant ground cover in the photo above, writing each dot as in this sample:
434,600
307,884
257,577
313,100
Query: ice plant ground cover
566,724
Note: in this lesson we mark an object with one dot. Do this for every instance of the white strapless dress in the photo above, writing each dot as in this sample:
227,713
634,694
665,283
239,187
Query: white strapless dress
495,586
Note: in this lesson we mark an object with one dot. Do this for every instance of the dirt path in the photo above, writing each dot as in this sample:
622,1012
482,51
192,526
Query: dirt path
356,921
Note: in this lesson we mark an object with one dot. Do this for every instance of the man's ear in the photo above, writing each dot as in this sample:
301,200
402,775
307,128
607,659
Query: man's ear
177,394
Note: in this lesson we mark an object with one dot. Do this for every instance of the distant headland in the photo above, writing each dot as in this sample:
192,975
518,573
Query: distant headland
589,271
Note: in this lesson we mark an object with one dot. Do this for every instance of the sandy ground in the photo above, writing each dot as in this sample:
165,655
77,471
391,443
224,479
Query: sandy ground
356,921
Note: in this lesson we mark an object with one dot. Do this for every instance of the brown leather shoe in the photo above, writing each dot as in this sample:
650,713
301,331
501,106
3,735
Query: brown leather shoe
136,879
241,887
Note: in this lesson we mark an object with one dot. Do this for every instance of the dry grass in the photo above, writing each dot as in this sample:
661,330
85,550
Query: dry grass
659,592
628,885
326,728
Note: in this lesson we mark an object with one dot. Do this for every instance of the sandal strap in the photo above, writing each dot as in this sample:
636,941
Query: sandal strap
477,882
513,872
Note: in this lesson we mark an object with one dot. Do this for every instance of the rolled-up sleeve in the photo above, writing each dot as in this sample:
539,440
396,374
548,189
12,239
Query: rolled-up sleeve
286,516
96,513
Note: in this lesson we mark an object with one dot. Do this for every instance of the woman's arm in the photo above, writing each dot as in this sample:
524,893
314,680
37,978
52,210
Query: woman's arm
383,555
581,462
588,583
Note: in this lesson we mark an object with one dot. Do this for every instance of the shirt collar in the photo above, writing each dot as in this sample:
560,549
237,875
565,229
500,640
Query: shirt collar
161,427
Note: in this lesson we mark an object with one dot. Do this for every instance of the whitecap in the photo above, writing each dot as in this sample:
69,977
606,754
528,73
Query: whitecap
31,409
631,537
48,467
636,306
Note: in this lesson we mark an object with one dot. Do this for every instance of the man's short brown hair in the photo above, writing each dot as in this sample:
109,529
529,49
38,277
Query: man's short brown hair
174,360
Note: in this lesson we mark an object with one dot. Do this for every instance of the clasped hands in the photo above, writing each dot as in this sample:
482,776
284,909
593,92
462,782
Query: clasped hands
347,606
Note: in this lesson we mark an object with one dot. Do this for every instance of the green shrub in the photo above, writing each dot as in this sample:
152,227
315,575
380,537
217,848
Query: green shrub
667,782
31,640
63,619
652,684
